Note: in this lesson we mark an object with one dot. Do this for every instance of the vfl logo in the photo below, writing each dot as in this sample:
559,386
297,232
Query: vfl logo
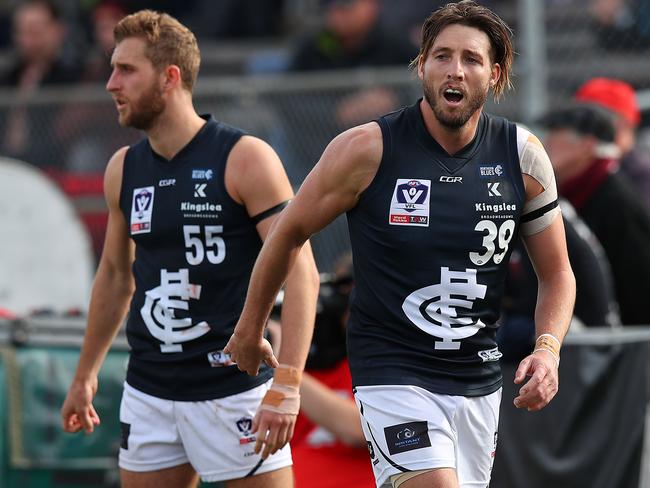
199,189
493,189
143,202
159,311
410,203
244,425
411,194
435,308
142,210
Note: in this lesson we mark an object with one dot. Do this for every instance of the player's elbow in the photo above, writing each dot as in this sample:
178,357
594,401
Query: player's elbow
353,436
305,267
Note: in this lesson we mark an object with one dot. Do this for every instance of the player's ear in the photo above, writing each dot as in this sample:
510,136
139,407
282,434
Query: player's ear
495,74
172,77
420,65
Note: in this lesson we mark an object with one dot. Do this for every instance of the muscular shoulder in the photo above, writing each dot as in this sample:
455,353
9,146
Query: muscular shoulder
355,154
255,175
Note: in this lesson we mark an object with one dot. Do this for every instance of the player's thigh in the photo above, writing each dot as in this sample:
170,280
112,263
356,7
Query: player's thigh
280,478
407,429
218,438
150,440
477,421
182,476
435,478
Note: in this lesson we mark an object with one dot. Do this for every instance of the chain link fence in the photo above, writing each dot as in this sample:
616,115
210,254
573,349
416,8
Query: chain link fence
72,132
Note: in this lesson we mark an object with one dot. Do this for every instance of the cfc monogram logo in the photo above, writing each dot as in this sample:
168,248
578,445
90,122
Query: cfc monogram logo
435,308
159,311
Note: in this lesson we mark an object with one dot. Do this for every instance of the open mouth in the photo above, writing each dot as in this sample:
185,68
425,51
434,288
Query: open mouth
452,95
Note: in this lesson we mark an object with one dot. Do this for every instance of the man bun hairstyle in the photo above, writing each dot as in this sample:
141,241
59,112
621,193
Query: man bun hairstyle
168,42
470,14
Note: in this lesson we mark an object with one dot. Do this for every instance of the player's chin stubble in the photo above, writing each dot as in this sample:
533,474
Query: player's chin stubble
458,119
146,110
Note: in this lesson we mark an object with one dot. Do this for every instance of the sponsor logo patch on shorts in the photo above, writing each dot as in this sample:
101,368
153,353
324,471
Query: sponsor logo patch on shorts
410,203
407,437
244,426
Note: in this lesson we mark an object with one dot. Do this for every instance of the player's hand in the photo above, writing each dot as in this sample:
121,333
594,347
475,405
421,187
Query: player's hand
77,412
539,390
249,352
272,430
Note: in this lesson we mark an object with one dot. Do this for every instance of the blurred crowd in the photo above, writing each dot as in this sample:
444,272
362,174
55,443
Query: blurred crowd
50,44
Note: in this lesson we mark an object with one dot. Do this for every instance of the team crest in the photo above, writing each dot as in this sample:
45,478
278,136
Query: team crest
410,203
142,210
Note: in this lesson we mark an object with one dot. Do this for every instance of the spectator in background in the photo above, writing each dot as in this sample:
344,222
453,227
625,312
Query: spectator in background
38,37
88,131
620,98
351,37
622,24
595,306
104,17
580,143
237,19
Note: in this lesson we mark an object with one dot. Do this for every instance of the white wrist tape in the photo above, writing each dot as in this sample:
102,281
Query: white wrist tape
283,396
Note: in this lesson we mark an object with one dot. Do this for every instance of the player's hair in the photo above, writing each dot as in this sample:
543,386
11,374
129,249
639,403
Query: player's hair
168,42
470,14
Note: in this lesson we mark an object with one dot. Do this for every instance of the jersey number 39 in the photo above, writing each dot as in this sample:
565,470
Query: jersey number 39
502,235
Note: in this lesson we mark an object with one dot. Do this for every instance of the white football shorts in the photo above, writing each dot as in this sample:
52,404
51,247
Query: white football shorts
409,428
213,436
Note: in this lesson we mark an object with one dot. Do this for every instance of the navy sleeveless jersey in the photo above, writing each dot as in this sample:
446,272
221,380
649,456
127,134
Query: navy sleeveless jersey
431,238
194,251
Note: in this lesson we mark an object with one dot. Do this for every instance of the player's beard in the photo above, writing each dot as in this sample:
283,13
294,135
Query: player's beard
457,119
144,111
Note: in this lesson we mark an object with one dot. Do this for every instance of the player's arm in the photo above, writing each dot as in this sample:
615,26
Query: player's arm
345,169
336,413
543,232
255,177
111,292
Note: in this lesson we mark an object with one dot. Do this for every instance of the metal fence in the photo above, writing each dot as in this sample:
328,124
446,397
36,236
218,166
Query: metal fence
73,132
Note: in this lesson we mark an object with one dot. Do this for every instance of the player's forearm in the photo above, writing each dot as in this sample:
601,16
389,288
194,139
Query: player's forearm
555,301
299,309
108,307
328,409
272,266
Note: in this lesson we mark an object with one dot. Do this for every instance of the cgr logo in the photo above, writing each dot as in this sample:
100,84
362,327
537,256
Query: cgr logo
169,182
451,179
